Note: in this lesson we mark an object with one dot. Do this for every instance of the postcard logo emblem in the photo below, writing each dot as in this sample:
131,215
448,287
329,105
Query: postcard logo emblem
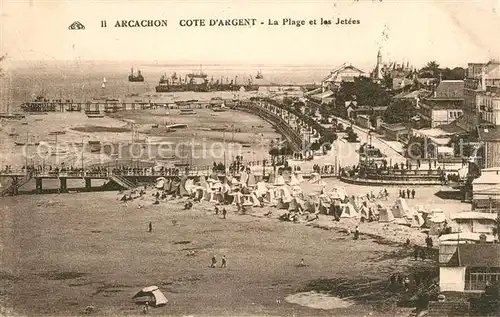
76,26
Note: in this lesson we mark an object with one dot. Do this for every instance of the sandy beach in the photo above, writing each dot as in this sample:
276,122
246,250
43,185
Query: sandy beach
64,252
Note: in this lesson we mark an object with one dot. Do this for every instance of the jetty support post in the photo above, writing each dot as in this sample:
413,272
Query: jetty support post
39,185
88,183
63,185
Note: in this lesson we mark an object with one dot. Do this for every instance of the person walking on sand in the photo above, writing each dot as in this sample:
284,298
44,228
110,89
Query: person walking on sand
223,262
214,262
224,212
150,227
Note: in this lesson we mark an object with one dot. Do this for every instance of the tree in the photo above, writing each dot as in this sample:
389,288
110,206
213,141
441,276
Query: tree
400,111
432,69
274,152
366,91
457,73
419,147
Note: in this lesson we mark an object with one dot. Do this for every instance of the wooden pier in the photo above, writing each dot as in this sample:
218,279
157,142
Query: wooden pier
89,106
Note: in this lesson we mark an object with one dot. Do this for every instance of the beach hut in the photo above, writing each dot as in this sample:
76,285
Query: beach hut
151,295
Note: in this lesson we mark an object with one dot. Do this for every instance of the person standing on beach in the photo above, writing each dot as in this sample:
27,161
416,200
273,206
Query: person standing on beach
408,192
224,212
356,233
150,227
223,262
413,193
214,262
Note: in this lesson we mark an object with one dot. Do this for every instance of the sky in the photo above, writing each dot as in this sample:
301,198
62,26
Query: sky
452,33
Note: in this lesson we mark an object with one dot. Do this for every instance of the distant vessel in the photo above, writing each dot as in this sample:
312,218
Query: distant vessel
185,112
134,78
199,82
221,108
259,75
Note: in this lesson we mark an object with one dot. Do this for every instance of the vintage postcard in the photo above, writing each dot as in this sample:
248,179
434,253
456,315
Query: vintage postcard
250,158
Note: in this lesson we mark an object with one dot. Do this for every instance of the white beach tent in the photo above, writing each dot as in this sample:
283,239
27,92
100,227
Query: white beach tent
279,181
316,179
417,221
400,209
436,222
151,295
384,213
348,211
160,182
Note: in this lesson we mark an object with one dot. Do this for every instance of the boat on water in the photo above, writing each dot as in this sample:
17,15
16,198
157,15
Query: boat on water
259,75
186,112
28,144
57,132
135,78
199,82
221,108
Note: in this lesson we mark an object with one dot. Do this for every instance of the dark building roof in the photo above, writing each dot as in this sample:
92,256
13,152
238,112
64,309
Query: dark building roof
489,134
479,255
452,128
475,255
450,89
394,127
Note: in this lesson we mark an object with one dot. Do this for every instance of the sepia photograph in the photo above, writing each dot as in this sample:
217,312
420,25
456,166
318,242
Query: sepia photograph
250,158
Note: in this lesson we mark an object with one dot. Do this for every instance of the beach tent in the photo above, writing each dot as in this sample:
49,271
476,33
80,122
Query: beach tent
189,186
293,180
400,209
279,181
436,222
160,182
271,178
251,180
151,295
243,178
417,221
385,215
286,176
348,211
364,212
182,186
316,179
261,189
299,177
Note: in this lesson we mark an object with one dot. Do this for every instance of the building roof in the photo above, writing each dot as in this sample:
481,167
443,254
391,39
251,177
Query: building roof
450,89
413,95
479,255
472,215
489,134
452,128
394,127
433,132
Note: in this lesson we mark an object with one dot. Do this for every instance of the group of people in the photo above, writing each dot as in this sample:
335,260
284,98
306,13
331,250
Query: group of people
223,262
407,193
325,169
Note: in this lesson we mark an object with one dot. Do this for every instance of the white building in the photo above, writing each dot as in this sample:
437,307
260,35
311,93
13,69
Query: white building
345,72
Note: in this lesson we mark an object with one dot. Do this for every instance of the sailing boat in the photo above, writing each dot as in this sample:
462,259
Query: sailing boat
259,75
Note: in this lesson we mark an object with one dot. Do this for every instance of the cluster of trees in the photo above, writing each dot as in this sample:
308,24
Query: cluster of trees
461,145
432,69
419,147
398,111
283,151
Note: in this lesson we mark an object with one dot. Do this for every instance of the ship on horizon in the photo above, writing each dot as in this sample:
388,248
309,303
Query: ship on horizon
199,82
135,78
